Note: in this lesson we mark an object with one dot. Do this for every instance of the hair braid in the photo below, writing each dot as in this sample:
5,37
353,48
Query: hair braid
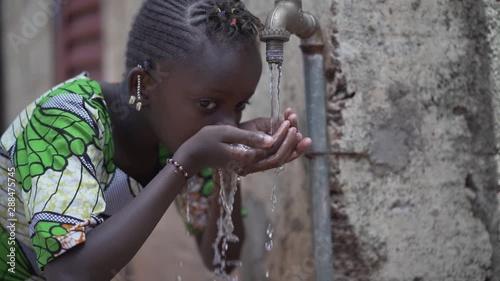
171,29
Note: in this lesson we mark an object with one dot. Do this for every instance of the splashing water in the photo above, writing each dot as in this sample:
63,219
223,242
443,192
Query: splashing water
274,198
269,232
225,227
190,187
228,188
220,234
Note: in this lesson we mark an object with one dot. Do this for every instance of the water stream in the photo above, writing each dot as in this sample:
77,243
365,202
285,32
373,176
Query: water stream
275,70
179,277
225,227
274,92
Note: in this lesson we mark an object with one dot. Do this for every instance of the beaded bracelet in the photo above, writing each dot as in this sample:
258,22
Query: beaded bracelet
178,167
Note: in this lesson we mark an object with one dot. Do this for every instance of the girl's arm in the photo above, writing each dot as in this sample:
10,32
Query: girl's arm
111,245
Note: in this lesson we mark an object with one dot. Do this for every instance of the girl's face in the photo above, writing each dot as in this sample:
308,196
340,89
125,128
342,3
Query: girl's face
212,88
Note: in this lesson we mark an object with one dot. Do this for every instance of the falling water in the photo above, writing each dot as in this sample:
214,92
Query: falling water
274,91
189,187
228,183
225,227
227,192
179,277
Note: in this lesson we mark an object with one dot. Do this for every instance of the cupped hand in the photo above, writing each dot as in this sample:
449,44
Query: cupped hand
223,147
264,124
288,142
245,150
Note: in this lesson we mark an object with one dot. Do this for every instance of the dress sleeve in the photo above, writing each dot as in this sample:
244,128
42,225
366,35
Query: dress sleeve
61,167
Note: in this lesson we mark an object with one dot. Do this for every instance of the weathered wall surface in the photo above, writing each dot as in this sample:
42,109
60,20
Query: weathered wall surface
28,55
412,129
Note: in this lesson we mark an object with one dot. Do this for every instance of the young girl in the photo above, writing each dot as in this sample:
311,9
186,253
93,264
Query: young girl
89,168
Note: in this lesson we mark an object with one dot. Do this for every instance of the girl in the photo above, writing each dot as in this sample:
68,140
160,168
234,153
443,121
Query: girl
93,166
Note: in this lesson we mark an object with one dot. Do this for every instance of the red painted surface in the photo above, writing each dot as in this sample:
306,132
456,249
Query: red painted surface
78,39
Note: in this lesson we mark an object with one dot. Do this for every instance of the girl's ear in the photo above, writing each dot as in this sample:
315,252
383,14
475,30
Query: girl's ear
140,85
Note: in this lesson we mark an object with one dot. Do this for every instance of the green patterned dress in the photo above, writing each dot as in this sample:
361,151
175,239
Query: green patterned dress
58,180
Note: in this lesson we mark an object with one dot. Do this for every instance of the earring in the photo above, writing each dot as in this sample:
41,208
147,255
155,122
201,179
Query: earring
131,100
139,98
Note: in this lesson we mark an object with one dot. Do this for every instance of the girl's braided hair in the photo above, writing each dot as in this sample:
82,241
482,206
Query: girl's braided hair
170,29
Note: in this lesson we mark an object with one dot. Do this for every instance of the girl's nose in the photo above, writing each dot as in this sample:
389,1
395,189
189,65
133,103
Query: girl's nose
230,120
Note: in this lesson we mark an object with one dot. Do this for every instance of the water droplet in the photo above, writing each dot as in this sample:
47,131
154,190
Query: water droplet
267,273
269,245
269,231
236,263
179,278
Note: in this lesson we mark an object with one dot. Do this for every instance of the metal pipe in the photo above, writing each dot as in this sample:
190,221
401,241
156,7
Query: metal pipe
287,17
318,167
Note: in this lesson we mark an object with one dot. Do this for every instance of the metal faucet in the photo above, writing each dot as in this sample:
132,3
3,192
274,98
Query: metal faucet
287,18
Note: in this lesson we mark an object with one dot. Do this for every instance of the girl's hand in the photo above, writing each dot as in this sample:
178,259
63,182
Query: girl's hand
264,124
223,147
280,152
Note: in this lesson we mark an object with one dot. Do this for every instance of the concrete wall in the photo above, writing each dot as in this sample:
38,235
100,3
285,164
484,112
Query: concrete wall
414,129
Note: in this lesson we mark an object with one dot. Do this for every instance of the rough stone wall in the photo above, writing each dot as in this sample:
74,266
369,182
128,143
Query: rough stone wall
413,98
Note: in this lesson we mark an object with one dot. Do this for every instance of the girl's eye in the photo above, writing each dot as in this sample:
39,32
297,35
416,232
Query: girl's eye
207,104
241,106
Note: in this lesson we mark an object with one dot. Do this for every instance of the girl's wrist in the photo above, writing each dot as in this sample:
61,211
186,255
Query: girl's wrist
187,162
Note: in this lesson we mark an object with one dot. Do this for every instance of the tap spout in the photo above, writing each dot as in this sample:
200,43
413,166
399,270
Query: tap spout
287,18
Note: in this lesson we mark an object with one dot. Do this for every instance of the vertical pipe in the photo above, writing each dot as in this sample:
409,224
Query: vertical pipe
319,192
